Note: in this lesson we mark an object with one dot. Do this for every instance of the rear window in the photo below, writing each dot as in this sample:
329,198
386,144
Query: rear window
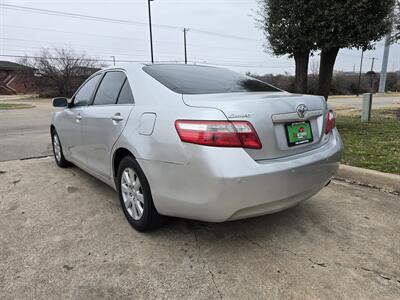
191,79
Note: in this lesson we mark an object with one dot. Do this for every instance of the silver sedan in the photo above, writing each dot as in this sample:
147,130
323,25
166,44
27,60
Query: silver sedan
196,142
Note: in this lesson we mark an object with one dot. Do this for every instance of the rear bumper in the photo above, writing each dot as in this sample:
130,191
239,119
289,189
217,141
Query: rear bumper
226,184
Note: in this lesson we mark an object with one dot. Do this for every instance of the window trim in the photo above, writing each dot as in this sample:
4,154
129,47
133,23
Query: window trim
101,80
120,91
101,74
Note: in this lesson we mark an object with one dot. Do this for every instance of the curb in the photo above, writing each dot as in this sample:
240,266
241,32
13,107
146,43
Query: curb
380,180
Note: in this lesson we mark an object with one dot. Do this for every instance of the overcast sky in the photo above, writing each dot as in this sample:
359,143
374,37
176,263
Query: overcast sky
25,32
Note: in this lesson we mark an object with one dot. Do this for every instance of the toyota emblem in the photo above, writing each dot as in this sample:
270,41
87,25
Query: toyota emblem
302,110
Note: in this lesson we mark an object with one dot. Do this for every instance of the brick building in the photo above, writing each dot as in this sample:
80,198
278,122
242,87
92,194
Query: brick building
16,78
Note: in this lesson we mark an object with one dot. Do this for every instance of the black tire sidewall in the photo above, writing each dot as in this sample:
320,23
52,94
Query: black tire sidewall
150,216
62,162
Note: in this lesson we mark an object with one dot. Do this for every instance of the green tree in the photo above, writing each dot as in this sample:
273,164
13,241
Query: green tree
299,27
348,24
288,28
396,21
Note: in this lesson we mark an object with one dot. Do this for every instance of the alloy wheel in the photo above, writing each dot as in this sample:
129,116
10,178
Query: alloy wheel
132,193
57,147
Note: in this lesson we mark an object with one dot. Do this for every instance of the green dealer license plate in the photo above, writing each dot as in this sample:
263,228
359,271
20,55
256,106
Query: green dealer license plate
299,133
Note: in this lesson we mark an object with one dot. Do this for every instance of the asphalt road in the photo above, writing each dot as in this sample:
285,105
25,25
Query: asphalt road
64,236
24,133
356,102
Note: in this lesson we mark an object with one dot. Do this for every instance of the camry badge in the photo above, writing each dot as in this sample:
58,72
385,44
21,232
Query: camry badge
302,110
239,116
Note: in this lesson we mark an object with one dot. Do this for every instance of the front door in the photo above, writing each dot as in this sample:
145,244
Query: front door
71,124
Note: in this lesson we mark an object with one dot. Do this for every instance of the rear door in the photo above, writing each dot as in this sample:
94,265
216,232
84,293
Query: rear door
105,120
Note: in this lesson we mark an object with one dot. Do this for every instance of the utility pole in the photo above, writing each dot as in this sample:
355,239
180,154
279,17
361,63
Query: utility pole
385,61
359,75
113,57
185,30
372,75
151,32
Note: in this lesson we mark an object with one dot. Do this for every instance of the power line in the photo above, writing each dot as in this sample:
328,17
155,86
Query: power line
221,61
107,48
246,65
57,58
78,16
80,33
80,45
60,44
217,60
117,21
104,54
141,2
224,35
125,38
159,61
116,51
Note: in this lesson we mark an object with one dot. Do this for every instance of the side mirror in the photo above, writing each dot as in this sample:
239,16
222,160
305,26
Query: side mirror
60,102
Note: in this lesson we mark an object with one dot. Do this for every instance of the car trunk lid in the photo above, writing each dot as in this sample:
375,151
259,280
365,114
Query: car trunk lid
269,113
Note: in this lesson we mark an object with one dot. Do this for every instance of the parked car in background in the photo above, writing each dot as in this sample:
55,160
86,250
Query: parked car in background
196,142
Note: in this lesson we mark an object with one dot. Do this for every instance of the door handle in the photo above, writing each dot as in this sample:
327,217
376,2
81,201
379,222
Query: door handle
78,117
117,118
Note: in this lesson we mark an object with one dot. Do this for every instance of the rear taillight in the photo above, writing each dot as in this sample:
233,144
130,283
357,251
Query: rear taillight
330,122
218,133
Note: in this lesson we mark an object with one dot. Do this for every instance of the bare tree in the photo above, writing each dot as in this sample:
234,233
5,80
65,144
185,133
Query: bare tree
61,71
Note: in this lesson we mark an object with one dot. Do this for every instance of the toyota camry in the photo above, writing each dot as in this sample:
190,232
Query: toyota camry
196,142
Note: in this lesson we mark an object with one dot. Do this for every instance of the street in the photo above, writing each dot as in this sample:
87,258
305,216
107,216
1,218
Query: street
64,236
25,133
353,102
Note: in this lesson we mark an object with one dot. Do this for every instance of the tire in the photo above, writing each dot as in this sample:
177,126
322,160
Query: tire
58,151
135,196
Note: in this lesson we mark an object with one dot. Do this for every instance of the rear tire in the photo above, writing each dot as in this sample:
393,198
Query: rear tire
135,196
58,151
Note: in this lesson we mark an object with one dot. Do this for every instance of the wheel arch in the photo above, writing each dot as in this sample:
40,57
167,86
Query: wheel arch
119,154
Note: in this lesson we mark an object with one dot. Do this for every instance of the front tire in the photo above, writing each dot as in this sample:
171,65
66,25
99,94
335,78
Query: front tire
58,151
135,196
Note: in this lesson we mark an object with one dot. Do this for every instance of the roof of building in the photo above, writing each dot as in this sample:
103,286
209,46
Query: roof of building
9,65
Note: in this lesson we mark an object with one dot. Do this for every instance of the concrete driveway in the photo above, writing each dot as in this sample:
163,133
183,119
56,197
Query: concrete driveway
25,133
63,235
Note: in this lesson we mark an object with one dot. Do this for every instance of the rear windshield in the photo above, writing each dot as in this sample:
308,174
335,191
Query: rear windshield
191,79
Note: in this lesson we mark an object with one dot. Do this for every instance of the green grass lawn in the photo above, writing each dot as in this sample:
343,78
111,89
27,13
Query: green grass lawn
14,105
374,145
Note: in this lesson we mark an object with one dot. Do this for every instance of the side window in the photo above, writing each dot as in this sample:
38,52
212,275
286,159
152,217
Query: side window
84,95
126,96
109,88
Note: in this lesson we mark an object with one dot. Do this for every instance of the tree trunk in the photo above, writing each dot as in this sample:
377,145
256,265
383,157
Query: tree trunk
301,74
328,58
